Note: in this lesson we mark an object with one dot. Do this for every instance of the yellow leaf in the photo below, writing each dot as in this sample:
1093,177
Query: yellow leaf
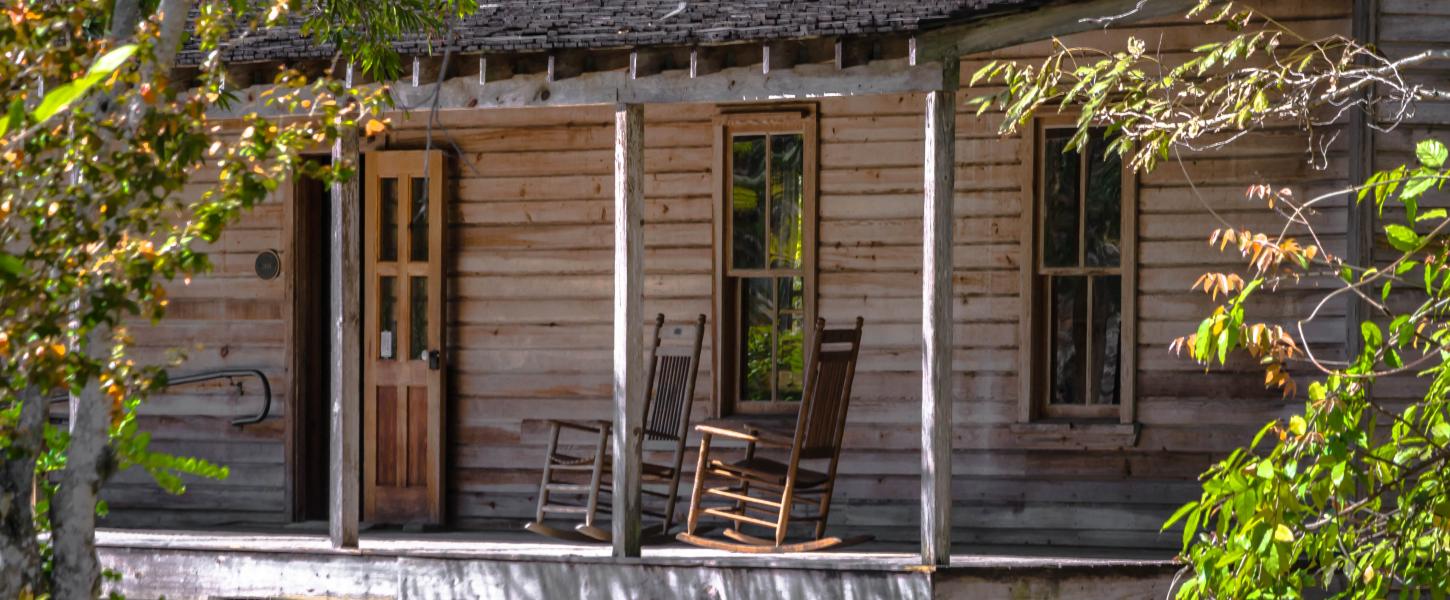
1283,534
1297,425
374,127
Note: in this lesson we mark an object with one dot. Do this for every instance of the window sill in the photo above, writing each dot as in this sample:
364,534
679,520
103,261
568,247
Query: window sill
1075,435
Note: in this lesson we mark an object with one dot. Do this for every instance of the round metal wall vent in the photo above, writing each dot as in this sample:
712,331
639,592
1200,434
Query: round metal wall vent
268,264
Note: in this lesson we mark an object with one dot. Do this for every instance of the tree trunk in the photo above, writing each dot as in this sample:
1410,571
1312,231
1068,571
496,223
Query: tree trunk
90,458
77,571
19,551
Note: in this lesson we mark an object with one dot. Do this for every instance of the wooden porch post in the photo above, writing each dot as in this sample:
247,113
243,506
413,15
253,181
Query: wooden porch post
936,320
345,382
628,314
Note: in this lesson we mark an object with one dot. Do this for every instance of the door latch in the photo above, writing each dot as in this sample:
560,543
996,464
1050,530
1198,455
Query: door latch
432,357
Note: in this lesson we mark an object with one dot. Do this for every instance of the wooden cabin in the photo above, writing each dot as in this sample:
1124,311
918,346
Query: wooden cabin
787,161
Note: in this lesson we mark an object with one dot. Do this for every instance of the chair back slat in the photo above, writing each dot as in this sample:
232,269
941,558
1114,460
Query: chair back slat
832,365
673,369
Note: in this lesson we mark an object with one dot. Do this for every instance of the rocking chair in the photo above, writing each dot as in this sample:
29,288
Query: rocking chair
765,493
674,357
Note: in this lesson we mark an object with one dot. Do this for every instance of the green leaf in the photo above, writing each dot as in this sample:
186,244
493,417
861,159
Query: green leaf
12,265
15,118
1434,213
1179,514
1431,153
1403,238
1371,332
1297,426
63,96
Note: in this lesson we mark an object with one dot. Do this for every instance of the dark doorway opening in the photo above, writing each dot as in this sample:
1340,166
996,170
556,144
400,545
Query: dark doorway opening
311,348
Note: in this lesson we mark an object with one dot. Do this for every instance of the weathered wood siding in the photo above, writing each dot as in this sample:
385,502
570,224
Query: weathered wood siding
1405,28
530,309
227,319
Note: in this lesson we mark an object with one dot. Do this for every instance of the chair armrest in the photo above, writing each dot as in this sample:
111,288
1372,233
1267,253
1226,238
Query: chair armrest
724,432
773,437
594,426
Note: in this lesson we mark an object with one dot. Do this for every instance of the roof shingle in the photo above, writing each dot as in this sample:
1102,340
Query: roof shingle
540,25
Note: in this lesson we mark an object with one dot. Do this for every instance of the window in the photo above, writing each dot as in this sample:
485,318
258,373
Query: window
1078,335
764,259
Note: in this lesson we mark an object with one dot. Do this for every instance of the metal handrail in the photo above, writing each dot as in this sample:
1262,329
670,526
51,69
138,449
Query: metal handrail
223,374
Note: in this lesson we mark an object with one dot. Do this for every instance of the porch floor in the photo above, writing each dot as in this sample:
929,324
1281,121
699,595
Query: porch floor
516,564
524,546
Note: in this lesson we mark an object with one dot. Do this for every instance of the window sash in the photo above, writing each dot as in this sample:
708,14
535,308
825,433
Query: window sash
730,281
1038,380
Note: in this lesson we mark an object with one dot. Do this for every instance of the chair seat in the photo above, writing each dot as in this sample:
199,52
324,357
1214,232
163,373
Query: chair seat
772,471
646,469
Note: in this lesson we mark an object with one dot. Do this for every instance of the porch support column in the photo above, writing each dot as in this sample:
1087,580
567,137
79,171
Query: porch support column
628,314
936,320
344,313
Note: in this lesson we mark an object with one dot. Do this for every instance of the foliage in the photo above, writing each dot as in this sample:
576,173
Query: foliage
1348,495
96,146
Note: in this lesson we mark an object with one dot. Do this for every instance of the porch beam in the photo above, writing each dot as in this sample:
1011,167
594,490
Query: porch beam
345,378
628,314
1062,17
936,320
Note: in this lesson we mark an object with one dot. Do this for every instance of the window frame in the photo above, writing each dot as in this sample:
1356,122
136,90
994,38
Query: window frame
1034,342
756,120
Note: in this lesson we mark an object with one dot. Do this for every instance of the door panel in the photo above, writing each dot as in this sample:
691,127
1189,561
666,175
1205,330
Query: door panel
403,363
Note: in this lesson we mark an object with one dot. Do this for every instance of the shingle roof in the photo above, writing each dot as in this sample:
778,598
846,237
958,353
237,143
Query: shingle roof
536,25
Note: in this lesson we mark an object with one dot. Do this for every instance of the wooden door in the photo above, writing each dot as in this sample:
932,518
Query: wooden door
403,363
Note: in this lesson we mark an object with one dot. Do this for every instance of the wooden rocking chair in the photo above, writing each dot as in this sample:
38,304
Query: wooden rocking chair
765,493
674,358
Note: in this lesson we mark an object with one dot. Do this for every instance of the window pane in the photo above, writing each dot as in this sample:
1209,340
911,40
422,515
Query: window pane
1104,197
757,319
388,219
1107,337
1068,344
387,317
747,202
790,340
1060,181
418,221
786,195
417,317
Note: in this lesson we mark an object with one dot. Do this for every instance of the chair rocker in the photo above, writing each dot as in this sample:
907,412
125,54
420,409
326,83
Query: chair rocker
765,493
577,479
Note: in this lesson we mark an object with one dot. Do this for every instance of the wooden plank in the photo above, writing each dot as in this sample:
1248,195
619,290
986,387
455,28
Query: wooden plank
1359,238
628,313
345,269
734,84
936,320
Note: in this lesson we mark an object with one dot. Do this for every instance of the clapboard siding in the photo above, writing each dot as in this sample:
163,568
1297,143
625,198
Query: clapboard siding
530,289
225,319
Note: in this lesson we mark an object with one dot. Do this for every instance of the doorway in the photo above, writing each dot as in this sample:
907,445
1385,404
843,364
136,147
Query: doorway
310,400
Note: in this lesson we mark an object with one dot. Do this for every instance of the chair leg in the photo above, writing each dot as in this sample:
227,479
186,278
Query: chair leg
548,472
825,506
787,500
693,518
825,509
596,477
744,487
674,490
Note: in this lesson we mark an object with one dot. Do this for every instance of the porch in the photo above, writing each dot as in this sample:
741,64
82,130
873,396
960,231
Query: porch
287,563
